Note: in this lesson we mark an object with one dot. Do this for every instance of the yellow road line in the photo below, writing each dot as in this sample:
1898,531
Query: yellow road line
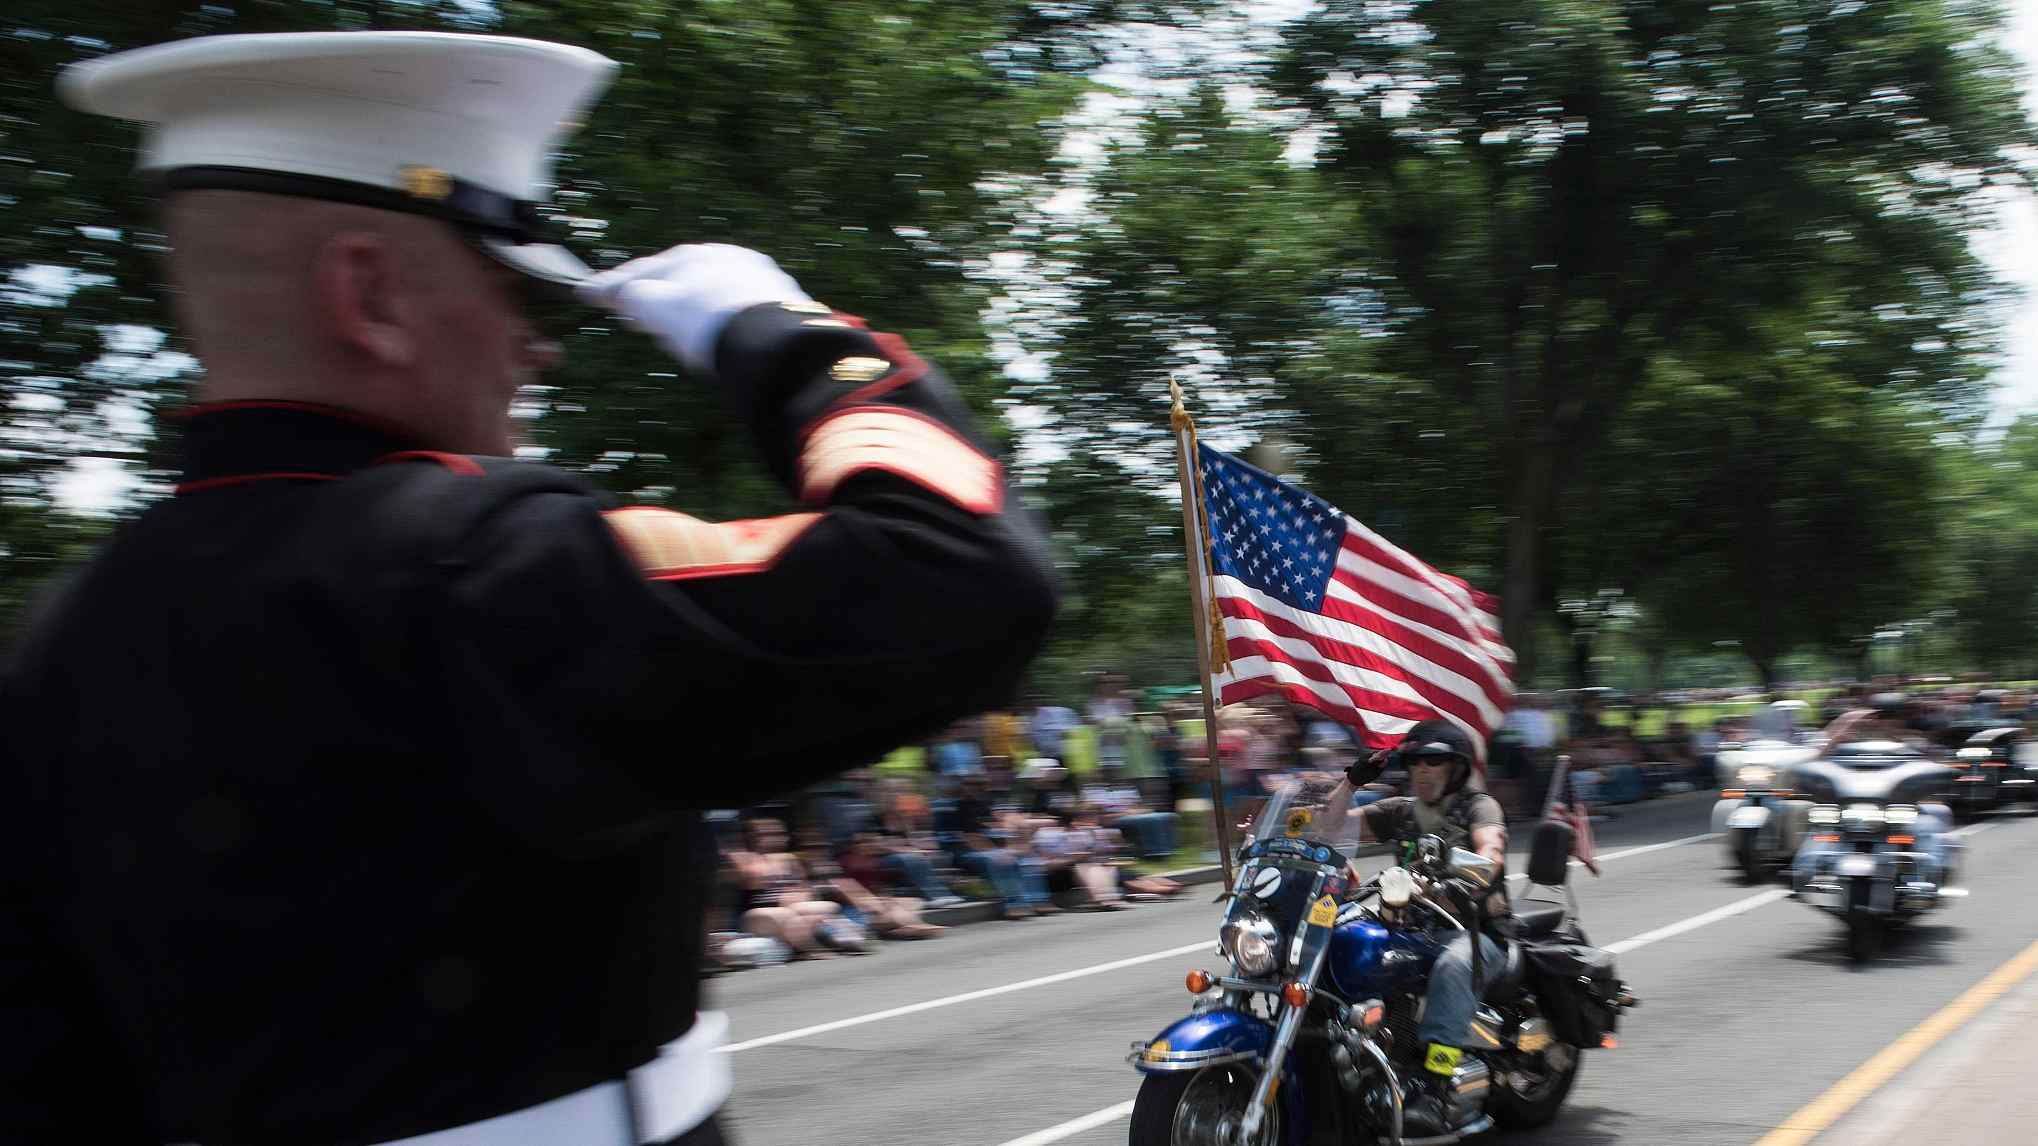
1815,1117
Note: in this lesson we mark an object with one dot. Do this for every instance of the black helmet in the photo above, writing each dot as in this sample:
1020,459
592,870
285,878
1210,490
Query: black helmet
1440,737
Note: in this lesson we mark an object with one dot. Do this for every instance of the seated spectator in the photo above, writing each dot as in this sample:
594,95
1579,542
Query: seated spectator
1069,860
1014,876
1108,846
1119,805
958,752
778,902
902,848
885,916
1050,727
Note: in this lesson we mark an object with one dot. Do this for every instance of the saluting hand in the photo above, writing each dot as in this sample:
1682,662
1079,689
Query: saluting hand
1364,772
684,296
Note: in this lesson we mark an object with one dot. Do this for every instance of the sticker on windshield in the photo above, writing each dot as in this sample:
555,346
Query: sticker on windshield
1324,913
1299,820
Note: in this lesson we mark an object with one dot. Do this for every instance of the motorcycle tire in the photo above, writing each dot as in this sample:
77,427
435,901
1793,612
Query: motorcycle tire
1748,860
1512,1111
1155,1111
1864,939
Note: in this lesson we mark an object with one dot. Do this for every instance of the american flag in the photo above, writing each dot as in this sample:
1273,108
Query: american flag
1322,610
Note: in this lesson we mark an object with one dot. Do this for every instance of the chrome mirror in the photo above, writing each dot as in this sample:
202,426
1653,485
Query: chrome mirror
1474,868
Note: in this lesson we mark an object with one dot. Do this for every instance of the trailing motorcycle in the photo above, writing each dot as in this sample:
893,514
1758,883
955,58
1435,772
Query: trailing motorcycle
1759,815
1310,1037
1877,856
1993,770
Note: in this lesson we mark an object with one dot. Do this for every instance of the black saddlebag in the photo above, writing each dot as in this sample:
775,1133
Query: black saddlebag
1578,988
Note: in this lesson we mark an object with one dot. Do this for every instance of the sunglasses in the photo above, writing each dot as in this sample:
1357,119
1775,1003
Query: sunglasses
1441,761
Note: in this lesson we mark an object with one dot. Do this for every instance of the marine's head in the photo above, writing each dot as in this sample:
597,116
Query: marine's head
354,216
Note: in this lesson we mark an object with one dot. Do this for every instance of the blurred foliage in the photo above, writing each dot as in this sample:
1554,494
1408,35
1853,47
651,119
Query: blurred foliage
1992,555
1659,318
1460,244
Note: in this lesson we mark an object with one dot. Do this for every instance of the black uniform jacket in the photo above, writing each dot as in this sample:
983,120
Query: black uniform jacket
350,793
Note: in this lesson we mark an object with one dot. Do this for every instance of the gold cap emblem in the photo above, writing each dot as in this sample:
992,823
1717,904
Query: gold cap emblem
425,182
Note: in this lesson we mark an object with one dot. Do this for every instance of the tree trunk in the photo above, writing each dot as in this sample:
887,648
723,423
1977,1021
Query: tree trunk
1583,641
1765,667
1521,589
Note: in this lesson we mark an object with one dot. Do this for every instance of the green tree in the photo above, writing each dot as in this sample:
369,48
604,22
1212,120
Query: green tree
859,143
1460,240
1991,574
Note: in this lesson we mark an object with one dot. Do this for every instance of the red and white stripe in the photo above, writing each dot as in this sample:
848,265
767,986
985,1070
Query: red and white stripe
1392,642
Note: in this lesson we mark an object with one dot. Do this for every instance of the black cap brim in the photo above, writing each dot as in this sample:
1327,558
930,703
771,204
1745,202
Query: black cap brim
546,262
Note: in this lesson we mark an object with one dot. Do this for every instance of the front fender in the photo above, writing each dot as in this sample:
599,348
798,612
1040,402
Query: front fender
1753,817
1200,1040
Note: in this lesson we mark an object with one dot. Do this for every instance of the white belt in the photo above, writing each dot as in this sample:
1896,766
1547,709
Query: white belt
671,1095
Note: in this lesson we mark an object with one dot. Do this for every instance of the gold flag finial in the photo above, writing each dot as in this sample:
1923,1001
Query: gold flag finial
1178,417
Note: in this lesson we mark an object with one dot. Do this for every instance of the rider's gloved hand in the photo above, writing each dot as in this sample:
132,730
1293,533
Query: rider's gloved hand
1364,772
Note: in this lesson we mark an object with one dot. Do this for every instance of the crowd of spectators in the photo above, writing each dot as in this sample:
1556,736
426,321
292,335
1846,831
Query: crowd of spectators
1050,807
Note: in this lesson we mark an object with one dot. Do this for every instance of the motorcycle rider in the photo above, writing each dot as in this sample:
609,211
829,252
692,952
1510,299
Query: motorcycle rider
1439,757
1884,720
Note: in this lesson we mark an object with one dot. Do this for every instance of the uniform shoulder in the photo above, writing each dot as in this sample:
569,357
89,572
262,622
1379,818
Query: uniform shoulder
453,496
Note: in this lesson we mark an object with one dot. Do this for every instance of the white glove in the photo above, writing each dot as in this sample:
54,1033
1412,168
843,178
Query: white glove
684,296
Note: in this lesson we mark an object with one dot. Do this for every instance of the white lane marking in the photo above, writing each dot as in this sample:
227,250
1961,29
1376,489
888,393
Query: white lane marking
1643,850
1698,921
970,996
1112,1113
1073,1126
1064,976
1975,829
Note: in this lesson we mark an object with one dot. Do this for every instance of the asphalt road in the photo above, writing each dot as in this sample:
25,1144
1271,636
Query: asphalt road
1751,1009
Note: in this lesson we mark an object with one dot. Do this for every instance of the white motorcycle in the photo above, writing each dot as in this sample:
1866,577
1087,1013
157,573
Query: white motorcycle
1761,817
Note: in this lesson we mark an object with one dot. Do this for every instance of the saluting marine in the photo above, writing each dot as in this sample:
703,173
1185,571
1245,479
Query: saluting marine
352,790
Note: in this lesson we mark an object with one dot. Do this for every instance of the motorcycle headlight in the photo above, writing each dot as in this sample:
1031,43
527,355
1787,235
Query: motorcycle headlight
1899,815
1251,941
1756,776
1824,814
1861,818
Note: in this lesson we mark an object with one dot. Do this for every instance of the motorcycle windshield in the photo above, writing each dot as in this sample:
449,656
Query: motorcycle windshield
1298,810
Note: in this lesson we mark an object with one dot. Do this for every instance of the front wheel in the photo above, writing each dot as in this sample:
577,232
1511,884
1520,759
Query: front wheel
1747,858
1204,1108
1530,1095
1864,937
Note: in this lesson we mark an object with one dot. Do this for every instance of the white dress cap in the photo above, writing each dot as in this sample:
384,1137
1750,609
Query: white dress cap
455,126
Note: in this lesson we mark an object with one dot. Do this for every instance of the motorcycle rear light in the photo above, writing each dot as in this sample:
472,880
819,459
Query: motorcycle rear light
1198,982
1608,1042
1295,995
1903,839
1732,794
1825,839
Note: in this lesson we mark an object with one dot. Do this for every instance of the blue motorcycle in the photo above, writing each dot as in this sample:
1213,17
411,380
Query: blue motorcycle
1311,1035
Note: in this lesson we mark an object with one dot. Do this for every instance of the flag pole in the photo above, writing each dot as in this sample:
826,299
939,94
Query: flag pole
1196,547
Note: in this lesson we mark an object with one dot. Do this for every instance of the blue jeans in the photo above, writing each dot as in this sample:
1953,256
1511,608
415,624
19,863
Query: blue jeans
1150,833
1448,1010
914,871
1016,881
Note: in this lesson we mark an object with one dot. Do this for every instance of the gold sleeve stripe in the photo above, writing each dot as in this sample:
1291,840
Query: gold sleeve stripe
899,442
670,546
